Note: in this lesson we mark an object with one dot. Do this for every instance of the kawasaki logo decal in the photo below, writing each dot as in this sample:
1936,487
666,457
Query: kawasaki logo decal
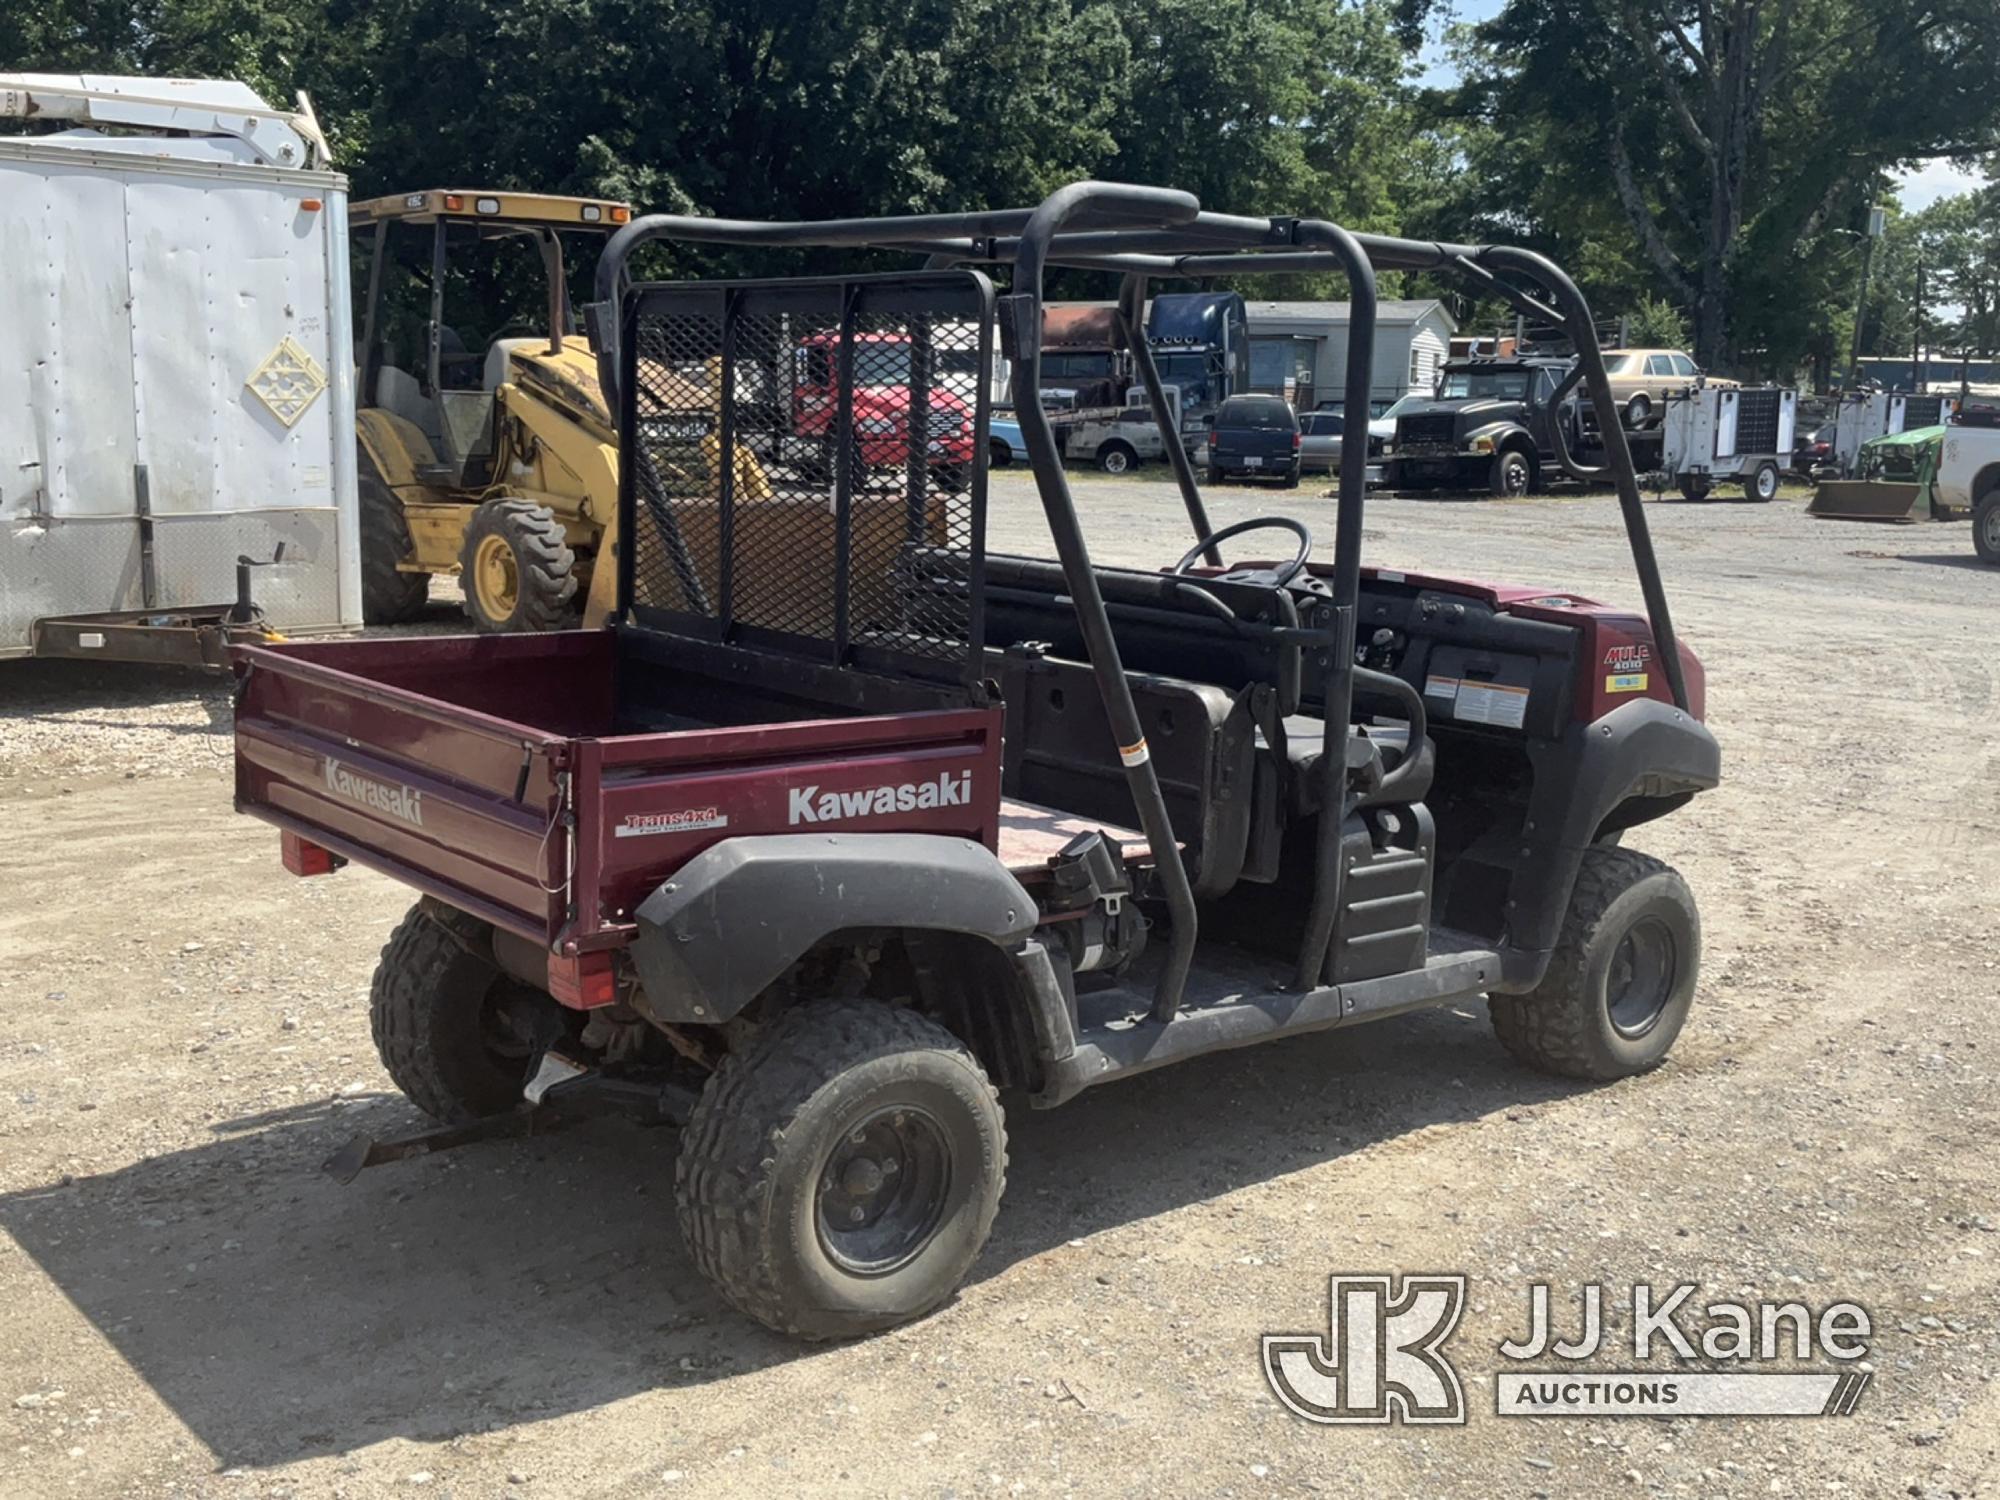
405,804
810,805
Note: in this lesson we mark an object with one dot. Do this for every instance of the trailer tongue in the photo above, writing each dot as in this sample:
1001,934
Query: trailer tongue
816,857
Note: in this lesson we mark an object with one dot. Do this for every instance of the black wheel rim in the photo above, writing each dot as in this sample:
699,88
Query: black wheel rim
1641,978
882,1191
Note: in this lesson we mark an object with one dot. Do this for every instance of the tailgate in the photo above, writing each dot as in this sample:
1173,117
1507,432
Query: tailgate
454,802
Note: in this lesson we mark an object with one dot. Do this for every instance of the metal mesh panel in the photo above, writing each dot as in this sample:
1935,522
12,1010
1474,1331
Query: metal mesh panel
1923,411
1757,421
829,529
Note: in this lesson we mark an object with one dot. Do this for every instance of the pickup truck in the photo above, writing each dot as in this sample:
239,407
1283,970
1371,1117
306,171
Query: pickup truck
1968,476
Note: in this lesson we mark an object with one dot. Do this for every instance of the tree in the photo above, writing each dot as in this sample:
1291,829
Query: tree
1731,133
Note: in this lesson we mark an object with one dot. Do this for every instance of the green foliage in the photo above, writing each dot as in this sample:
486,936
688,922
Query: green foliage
1718,173
1656,323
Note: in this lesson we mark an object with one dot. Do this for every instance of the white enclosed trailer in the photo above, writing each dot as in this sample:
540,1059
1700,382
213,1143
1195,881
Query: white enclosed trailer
176,388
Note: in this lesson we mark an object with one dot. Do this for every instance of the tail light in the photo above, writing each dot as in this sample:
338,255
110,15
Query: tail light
583,981
303,857
1298,441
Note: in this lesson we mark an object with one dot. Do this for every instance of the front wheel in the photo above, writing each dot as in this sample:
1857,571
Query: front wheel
1694,487
516,568
1986,528
1619,985
1510,474
1762,485
840,1175
998,454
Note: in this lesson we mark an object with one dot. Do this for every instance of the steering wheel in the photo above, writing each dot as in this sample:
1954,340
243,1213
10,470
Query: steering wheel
1276,577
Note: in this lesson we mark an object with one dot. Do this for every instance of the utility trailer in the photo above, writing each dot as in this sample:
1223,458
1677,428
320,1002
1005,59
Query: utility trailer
811,862
1712,434
177,414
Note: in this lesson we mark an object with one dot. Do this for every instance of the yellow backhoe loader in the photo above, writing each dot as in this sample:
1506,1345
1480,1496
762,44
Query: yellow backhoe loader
495,461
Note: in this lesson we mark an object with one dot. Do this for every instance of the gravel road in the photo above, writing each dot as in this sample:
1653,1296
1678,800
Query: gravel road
192,1310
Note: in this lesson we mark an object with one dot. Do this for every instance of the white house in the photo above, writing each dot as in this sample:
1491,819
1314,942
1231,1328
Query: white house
1299,349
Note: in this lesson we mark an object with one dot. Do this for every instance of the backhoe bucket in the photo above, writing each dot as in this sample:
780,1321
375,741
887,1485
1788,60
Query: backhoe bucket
1866,500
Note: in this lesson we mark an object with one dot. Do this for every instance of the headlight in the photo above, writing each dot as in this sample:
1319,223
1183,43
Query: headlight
1482,445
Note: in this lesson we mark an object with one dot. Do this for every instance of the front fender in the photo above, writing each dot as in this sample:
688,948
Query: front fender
742,912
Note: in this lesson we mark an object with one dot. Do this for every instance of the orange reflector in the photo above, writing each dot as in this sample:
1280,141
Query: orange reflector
454,202
583,981
311,205
303,857
620,215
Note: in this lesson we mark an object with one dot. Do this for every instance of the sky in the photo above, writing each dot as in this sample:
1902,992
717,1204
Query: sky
1917,187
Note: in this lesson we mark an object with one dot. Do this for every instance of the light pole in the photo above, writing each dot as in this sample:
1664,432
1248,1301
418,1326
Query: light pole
1878,221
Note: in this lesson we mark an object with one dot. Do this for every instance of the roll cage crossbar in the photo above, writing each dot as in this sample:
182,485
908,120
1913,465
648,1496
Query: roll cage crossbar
1143,234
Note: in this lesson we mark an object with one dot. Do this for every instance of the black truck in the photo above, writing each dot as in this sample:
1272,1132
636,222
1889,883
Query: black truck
1492,424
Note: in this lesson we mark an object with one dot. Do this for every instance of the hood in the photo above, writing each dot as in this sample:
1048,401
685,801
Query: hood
569,379
1478,409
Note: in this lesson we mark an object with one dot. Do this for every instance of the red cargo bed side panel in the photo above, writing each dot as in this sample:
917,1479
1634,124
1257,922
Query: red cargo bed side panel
647,804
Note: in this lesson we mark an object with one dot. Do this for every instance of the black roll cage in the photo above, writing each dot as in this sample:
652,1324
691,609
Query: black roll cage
1145,233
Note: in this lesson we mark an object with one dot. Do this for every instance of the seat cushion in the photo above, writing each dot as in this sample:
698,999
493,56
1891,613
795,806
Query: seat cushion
1373,751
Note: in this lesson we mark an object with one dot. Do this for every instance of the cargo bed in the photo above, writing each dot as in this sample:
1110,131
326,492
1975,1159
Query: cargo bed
539,783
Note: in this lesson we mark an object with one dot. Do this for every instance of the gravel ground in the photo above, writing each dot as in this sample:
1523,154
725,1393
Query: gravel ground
194,1310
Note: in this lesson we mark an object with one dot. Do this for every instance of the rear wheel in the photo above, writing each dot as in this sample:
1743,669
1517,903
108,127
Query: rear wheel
1638,411
516,568
455,1034
1117,457
1762,485
1618,988
1510,474
998,454
841,1174
389,596
1215,474
1291,479
1986,527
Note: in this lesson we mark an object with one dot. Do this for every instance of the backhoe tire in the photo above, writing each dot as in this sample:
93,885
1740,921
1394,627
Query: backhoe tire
840,1175
1986,527
517,571
389,596
444,1017
1510,474
1620,982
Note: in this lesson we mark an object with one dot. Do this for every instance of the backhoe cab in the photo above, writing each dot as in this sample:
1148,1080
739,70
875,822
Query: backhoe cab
494,458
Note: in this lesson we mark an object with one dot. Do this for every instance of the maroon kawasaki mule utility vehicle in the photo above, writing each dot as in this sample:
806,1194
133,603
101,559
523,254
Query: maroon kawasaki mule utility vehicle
845,821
